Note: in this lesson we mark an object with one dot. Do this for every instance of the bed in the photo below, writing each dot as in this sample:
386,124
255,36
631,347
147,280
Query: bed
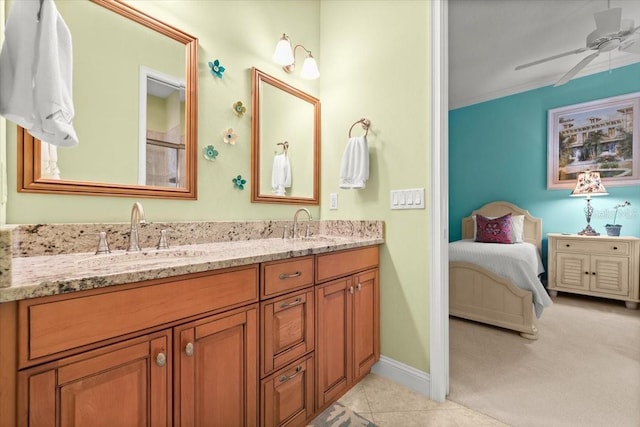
481,295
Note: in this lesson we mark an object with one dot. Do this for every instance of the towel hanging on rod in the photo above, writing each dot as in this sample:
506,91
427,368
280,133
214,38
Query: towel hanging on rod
365,125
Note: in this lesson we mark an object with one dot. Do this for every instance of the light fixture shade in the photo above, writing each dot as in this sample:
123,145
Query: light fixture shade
589,184
310,68
283,54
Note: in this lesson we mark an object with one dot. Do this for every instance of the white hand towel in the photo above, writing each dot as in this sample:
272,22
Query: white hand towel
36,72
280,174
354,168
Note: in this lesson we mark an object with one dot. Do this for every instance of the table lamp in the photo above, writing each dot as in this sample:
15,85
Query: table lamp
589,184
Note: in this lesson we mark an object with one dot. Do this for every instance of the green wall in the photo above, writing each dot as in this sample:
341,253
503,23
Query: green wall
381,72
370,67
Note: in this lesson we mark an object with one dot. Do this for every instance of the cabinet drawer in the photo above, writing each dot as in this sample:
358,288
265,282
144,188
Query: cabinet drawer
287,329
287,395
279,277
610,247
338,264
54,324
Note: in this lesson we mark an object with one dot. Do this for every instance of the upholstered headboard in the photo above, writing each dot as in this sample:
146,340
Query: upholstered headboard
532,225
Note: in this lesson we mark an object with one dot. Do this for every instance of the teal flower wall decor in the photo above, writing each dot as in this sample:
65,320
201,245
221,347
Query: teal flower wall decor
209,152
216,68
239,109
238,182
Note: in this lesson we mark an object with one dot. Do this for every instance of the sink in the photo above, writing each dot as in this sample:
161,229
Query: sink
139,258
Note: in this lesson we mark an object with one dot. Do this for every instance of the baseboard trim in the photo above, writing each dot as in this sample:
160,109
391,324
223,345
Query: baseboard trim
405,375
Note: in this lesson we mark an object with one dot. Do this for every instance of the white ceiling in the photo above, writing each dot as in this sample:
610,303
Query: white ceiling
489,38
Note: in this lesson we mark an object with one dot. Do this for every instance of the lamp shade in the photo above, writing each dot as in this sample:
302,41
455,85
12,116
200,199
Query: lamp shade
310,68
283,54
589,184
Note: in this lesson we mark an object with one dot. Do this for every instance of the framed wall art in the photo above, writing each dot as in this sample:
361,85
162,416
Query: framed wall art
600,136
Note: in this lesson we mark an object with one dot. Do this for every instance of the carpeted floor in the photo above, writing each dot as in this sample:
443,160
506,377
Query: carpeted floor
338,415
584,370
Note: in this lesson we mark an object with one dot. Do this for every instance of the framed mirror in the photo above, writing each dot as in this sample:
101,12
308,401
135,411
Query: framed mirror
135,85
285,142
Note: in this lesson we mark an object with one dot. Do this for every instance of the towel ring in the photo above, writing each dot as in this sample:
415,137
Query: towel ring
365,125
285,146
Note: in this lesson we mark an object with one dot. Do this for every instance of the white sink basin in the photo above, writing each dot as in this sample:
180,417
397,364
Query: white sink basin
139,258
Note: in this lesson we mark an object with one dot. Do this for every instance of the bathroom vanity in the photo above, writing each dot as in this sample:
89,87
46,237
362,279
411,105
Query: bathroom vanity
233,333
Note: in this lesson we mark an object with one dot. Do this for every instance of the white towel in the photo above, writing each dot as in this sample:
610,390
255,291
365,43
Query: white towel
354,169
280,174
36,72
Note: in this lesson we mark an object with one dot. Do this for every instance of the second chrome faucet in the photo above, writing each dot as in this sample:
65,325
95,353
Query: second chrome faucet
295,222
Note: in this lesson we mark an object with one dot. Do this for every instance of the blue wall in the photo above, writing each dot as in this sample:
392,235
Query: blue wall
498,151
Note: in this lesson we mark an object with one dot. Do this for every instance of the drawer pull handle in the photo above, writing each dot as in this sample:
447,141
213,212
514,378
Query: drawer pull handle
285,378
284,276
161,359
188,349
285,304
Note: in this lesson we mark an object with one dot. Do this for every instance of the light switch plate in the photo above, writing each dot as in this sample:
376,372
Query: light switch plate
333,201
410,198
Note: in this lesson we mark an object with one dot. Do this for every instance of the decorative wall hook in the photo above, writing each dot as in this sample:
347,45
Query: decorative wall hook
239,109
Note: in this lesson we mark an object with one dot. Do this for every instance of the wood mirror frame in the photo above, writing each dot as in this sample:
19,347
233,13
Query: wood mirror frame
257,196
29,177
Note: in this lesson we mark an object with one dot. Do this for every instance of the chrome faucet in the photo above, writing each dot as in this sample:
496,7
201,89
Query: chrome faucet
295,221
137,217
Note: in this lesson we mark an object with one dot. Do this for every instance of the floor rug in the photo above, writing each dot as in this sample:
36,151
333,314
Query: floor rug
337,415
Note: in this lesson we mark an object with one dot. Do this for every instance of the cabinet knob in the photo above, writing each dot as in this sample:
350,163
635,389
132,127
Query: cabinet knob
359,286
188,349
283,276
568,245
161,359
593,274
351,289
615,248
586,272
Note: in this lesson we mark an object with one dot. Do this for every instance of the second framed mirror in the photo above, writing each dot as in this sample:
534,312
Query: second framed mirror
285,142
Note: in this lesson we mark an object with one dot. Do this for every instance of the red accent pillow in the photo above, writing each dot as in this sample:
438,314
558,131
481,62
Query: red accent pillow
497,230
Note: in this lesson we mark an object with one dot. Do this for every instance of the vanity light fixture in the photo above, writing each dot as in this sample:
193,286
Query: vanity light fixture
589,184
285,56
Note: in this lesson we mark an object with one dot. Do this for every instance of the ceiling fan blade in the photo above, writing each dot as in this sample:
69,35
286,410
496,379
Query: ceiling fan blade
560,55
631,44
608,21
572,72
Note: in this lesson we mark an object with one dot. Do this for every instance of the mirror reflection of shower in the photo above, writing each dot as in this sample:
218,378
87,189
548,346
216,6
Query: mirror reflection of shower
162,129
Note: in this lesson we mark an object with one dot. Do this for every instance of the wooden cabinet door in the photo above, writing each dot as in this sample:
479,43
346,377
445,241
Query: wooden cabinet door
610,275
366,322
216,376
573,271
125,384
334,339
287,329
287,395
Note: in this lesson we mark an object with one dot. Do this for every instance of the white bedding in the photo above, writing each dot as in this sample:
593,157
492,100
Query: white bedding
520,263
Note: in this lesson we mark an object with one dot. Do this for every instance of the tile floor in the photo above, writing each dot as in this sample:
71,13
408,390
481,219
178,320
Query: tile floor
389,404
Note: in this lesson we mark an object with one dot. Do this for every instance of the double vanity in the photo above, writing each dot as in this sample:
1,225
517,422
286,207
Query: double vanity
232,324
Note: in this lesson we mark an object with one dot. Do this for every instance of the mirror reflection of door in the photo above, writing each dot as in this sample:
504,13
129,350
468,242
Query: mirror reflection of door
162,130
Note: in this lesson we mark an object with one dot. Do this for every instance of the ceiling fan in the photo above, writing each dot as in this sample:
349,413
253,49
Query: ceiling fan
611,32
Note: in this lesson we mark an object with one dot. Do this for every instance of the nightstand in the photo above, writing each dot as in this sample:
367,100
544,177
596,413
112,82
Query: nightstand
601,266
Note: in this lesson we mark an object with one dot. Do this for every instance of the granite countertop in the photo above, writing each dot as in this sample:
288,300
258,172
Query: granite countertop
43,275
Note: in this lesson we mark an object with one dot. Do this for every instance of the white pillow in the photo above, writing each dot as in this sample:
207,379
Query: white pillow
517,227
